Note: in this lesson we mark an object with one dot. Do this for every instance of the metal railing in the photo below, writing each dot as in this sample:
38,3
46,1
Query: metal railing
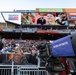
22,70
31,71
8,71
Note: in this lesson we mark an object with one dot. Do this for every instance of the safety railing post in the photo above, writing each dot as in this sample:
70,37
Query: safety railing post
18,71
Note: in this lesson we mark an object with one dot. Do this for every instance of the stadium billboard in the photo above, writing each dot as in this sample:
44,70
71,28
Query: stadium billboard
36,18
12,17
44,18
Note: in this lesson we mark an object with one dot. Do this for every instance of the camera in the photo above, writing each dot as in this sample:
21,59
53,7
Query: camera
51,52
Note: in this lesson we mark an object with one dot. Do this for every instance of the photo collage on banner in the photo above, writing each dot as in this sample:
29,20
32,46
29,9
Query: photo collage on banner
44,18
40,16
71,13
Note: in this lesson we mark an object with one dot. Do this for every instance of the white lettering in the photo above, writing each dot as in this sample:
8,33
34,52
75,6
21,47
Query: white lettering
61,44
73,17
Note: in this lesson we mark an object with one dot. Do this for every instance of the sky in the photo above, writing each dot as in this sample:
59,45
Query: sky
10,5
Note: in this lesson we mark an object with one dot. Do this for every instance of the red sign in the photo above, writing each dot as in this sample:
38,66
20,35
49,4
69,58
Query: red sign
72,14
46,32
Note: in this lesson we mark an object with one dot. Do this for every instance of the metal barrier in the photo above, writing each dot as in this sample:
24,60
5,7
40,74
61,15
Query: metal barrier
22,69
31,71
7,71
19,70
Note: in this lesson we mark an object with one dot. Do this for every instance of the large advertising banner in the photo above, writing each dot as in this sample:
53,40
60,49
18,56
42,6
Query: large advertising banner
44,18
71,13
12,17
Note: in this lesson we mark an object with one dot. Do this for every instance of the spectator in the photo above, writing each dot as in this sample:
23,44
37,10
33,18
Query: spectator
51,19
62,19
40,18
26,19
6,49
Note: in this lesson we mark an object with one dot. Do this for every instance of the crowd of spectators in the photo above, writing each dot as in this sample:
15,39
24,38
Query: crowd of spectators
33,30
26,47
